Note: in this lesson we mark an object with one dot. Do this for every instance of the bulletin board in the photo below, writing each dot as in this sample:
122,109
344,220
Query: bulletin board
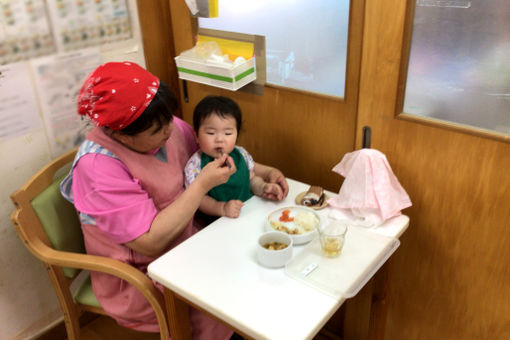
47,49
35,28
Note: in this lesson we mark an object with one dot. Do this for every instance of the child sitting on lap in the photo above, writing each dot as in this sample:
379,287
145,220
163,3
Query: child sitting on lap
217,122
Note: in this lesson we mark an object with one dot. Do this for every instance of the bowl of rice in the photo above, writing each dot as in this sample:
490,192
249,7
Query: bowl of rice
299,222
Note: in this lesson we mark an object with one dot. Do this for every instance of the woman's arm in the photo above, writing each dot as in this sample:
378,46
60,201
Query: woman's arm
170,222
272,175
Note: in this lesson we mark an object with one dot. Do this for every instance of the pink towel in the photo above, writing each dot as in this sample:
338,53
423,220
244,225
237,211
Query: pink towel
370,191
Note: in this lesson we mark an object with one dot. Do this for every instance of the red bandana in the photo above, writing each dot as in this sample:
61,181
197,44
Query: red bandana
115,94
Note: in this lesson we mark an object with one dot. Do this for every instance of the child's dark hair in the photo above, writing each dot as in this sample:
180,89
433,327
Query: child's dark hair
222,106
160,111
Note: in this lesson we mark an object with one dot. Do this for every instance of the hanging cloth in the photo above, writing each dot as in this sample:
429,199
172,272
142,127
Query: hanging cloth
370,193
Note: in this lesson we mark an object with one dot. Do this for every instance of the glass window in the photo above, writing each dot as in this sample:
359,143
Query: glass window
306,41
459,67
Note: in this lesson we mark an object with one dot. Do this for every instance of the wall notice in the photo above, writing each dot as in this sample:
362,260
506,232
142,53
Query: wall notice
18,107
58,80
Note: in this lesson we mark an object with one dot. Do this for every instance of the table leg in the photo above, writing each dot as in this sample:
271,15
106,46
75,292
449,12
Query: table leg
365,317
379,308
178,316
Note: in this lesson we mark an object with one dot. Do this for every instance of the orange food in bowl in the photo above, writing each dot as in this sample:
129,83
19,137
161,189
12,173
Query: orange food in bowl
285,216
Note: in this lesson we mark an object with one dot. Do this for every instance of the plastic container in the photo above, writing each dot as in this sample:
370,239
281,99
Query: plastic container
227,77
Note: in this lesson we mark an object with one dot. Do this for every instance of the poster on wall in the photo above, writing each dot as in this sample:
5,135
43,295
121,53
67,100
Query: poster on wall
25,31
84,23
18,107
58,79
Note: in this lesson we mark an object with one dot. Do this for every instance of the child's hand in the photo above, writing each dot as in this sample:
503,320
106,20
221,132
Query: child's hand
232,208
275,176
273,192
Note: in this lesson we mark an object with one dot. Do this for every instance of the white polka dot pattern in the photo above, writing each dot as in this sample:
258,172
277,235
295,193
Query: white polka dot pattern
116,94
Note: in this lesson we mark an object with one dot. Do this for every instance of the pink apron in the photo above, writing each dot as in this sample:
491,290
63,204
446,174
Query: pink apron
163,181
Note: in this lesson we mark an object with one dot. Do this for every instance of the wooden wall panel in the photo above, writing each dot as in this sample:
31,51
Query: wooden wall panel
158,42
301,135
451,275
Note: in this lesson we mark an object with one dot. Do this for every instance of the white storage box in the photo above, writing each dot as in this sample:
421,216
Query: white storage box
230,78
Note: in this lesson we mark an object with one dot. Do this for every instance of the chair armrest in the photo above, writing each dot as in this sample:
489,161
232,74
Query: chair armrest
100,264
116,268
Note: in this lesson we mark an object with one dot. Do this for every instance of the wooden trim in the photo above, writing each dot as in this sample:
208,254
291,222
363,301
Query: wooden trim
447,125
404,60
158,43
354,51
306,93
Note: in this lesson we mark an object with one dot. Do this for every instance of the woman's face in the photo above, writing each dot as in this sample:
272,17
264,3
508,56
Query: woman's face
217,135
148,140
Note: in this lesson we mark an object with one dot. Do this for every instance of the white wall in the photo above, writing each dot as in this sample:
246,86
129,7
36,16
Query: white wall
28,304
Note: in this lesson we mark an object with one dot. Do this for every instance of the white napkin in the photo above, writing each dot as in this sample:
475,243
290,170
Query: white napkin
192,5
370,193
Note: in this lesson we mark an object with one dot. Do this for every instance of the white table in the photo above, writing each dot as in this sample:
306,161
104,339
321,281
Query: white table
216,271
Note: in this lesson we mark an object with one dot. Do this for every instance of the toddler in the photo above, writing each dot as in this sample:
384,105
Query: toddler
217,122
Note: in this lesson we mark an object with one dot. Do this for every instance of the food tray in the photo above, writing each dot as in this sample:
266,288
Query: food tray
364,252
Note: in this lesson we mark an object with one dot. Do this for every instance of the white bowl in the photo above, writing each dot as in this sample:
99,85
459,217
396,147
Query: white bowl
274,258
303,237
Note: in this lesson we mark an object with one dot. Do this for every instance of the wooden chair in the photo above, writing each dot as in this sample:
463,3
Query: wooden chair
49,227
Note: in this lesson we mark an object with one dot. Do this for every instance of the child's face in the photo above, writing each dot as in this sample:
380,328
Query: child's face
217,135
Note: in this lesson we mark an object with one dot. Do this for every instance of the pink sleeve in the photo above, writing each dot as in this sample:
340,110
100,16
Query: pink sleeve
188,133
104,189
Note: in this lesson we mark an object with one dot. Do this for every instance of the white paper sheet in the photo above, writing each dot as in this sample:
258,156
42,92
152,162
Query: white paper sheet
18,107
58,80
79,24
24,31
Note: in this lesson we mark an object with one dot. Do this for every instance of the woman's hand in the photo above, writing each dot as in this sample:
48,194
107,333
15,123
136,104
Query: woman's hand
272,191
276,176
216,172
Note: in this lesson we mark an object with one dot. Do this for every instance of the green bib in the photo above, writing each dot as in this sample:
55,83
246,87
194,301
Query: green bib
238,185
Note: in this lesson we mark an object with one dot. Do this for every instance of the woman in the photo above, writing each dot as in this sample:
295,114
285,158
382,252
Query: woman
127,185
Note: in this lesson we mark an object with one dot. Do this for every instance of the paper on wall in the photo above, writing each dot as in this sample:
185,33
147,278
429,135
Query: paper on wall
58,79
18,106
81,24
24,31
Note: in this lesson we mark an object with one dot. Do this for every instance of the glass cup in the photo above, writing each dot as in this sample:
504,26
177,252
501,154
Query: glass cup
332,238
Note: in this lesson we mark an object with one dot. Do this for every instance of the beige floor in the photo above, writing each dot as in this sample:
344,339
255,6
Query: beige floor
99,328
104,328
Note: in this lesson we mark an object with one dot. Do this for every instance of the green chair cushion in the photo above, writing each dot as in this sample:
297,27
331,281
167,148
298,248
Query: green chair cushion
60,221
85,295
